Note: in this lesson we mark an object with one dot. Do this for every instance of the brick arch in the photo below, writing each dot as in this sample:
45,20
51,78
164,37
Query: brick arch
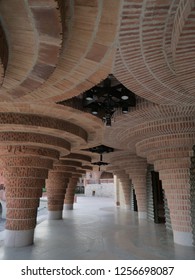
87,53
147,61
34,42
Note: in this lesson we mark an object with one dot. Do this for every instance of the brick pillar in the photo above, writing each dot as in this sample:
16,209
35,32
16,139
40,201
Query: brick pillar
136,168
137,173
139,182
126,190
171,158
174,173
56,186
124,183
116,186
70,192
25,170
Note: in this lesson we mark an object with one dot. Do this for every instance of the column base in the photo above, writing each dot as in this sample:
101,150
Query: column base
68,206
19,238
183,238
142,215
55,215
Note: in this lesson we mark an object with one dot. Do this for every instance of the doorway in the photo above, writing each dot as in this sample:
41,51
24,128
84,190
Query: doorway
158,198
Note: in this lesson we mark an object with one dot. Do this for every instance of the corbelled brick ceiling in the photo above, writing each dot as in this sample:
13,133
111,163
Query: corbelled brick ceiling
54,50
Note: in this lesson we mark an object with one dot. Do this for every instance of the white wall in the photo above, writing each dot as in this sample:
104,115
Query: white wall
103,190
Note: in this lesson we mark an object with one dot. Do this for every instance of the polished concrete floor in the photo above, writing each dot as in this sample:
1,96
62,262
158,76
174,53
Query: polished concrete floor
97,230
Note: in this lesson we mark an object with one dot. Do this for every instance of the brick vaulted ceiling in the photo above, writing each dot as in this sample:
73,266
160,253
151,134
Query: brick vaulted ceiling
52,50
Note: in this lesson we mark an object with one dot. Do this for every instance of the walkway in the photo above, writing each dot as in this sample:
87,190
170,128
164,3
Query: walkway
96,229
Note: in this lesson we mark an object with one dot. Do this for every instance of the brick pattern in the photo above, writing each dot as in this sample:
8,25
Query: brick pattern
147,45
125,184
63,178
56,185
174,173
87,50
177,190
33,139
38,32
47,123
136,169
70,191
165,136
192,193
147,120
155,55
24,177
48,114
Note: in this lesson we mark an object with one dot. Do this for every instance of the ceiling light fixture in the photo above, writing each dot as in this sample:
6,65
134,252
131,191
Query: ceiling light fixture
105,98
101,149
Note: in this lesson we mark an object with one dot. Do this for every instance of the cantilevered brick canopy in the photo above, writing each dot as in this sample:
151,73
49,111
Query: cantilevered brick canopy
155,57
53,50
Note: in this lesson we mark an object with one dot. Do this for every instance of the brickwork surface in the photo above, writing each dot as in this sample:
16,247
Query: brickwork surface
53,50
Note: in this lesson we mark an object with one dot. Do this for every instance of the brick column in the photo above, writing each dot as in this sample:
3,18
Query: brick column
137,172
56,186
136,168
171,157
70,192
24,170
116,186
124,183
175,173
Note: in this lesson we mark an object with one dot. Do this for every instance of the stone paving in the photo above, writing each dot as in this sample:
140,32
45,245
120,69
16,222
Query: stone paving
97,229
